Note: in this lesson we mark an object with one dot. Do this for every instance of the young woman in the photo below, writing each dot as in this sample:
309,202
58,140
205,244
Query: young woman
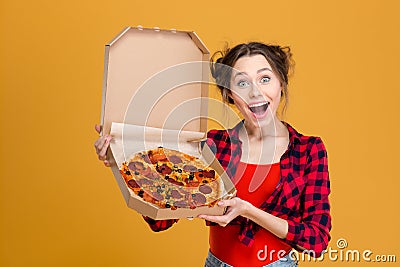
281,176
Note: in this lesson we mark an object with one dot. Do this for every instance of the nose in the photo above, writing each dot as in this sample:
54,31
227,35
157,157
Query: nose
254,91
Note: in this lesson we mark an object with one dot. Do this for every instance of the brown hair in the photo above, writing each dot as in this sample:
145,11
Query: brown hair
280,59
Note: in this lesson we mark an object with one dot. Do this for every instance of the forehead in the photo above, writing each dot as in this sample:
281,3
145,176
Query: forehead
251,64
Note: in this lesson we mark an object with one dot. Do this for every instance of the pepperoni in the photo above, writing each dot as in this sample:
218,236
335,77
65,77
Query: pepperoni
172,181
205,189
164,169
146,171
193,184
136,166
132,183
150,156
175,194
159,157
199,198
187,195
209,174
147,159
189,168
149,173
156,157
181,204
142,182
157,196
175,159
152,175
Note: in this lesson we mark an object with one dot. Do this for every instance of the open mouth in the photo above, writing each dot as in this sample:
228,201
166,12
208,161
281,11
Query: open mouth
259,109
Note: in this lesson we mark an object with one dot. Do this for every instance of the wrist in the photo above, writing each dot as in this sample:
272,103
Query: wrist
247,208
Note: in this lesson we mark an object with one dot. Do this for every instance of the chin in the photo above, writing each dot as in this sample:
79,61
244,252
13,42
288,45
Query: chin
259,122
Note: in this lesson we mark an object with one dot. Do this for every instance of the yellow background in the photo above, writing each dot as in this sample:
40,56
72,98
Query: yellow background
61,207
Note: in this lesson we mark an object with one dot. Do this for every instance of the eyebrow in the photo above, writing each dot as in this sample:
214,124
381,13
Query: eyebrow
260,70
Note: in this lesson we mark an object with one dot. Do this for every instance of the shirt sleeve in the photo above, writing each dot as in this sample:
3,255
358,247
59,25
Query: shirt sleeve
312,232
159,225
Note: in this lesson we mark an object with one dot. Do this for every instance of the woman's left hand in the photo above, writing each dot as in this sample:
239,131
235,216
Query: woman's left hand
235,207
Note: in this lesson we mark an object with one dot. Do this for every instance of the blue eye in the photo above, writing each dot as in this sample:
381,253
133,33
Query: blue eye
265,79
243,84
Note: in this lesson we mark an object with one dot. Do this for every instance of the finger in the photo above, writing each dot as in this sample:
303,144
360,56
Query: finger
227,203
208,217
103,150
98,128
99,144
106,163
221,220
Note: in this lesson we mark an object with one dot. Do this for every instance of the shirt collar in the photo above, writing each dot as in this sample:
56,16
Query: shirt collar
234,132
294,136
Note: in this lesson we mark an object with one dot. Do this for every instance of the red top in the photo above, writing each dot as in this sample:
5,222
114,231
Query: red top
254,183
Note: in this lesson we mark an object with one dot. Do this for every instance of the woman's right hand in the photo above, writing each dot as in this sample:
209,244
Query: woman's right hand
101,145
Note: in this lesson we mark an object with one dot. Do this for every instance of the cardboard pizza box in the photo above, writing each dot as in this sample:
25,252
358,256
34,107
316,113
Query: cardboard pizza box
157,79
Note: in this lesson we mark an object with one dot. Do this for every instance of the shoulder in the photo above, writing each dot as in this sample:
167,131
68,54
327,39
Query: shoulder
226,135
300,138
217,134
308,143
217,139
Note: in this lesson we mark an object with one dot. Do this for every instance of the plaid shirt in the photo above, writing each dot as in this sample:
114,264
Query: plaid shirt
301,196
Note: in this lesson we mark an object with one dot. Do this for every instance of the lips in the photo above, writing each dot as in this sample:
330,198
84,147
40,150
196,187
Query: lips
259,108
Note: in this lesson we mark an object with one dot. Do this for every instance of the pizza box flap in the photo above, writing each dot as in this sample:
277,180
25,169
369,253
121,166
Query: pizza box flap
157,78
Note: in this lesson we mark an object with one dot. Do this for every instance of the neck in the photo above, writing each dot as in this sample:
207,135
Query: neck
273,128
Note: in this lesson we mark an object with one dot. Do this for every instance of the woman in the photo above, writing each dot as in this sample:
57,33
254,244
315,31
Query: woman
281,176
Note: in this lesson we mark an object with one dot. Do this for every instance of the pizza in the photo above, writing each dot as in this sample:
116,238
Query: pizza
172,179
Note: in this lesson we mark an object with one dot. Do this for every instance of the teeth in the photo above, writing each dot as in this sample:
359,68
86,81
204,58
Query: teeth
258,104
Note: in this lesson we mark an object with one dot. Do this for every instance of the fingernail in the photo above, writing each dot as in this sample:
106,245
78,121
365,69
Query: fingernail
220,203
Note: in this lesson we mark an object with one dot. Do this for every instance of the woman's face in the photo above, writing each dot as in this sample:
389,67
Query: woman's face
255,89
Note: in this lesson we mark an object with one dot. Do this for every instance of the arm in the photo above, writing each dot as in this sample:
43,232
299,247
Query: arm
159,225
239,207
312,232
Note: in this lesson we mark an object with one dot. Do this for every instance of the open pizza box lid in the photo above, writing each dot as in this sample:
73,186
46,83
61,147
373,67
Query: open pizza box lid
155,92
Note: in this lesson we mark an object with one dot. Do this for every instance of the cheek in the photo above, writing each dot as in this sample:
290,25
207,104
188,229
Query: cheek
277,100
237,97
239,102
273,92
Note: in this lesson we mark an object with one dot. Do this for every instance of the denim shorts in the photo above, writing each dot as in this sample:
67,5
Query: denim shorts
287,261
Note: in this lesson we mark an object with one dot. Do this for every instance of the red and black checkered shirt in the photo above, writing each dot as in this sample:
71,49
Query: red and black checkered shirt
301,196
